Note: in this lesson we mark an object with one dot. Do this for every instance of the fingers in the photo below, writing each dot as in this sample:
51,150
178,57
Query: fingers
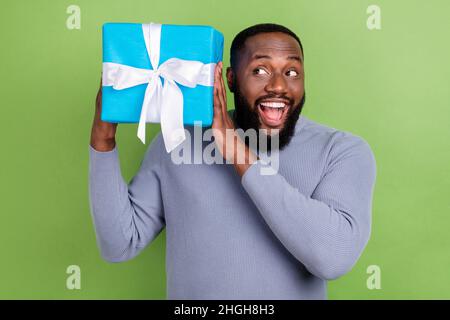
222,95
217,102
221,117
222,84
99,95
98,102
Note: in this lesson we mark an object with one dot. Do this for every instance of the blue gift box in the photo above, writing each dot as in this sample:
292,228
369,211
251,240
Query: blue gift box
124,43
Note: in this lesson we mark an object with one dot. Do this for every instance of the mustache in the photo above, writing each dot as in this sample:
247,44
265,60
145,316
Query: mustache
290,101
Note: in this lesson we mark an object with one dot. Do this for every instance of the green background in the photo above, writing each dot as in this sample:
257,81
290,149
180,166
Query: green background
389,86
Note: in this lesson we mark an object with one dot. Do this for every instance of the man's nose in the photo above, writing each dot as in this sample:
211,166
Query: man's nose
277,84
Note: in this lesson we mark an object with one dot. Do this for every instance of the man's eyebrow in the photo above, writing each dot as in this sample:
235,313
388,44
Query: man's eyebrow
265,56
261,56
295,58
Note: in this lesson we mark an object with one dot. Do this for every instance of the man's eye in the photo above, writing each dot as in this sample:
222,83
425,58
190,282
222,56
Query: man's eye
259,71
292,73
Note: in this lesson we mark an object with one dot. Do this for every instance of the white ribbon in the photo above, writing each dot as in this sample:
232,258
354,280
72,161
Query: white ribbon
162,104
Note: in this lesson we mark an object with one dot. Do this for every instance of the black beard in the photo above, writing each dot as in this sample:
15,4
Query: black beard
246,118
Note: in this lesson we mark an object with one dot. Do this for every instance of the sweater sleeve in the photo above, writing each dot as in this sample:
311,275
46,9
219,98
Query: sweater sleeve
126,217
328,230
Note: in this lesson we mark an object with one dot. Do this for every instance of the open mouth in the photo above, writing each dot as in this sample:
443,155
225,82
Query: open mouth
272,113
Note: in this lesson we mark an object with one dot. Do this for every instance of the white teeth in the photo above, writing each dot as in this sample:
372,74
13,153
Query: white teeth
273,104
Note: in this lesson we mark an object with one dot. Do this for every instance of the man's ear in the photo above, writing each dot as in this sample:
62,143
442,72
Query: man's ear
230,79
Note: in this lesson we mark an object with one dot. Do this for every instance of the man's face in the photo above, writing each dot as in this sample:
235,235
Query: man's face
268,84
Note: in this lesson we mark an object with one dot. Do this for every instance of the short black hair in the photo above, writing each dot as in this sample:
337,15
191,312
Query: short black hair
239,40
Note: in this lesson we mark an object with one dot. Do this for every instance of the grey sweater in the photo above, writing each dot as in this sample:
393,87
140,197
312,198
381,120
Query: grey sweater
278,236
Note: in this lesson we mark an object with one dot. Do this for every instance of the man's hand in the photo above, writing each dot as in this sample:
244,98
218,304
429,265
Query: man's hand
102,133
232,148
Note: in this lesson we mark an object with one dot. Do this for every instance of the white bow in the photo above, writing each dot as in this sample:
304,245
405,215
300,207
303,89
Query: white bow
162,104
